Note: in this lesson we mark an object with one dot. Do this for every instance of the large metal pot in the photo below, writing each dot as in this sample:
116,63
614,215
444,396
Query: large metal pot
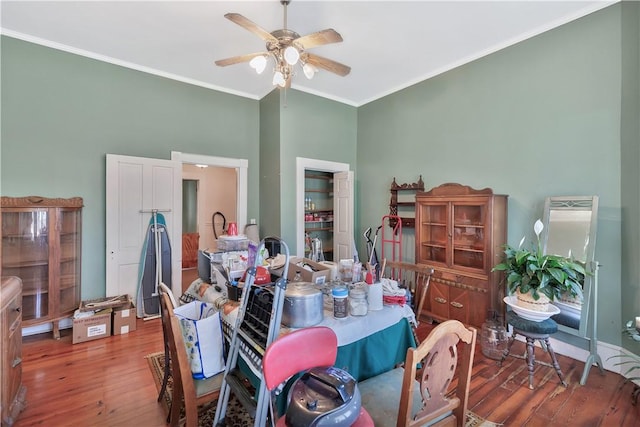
303,305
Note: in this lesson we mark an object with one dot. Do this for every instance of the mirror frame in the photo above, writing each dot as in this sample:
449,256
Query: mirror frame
587,330
577,203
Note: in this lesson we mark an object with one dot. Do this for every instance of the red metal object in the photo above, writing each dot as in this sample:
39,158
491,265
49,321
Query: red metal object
395,240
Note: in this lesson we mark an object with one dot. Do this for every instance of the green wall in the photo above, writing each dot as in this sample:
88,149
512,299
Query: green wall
62,113
313,128
270,186
554,115
540,118
630,163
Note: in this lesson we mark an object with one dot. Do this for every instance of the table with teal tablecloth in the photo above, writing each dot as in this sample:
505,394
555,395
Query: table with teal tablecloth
367,345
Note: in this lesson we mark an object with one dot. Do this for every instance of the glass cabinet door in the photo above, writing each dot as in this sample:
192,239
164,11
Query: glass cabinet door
469,236
25,254
433,229
69,285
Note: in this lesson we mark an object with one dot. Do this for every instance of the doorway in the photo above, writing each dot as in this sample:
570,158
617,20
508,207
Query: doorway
221,187
152,184
190,235
343,197
318,215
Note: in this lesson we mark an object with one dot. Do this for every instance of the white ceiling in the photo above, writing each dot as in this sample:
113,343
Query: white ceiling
389,45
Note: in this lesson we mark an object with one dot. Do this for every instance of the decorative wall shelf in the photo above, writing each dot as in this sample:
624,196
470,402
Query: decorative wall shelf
403,202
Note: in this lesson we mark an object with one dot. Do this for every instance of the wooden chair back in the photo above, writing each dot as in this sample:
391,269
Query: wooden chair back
448,345
167,352
164,288
184,387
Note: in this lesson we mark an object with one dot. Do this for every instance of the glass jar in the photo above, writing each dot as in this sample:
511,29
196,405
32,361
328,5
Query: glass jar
297,277
493,338
358,305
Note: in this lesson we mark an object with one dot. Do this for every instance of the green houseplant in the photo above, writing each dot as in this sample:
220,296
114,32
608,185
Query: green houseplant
542,276
630,362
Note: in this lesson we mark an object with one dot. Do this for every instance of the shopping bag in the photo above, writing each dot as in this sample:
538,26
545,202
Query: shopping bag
203,339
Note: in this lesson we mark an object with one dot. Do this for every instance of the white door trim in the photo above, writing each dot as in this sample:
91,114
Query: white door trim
302,164
241,165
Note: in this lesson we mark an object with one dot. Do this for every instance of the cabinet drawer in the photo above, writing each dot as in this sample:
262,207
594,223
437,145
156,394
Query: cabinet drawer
14,314
460,304
438,300
466,304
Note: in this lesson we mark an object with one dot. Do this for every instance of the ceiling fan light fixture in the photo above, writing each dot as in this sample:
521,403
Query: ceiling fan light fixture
278,79
258,63
291,55
309,71
287,48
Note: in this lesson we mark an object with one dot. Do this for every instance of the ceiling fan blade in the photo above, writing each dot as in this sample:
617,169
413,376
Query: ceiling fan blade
319,38
238,59
327,64
251,26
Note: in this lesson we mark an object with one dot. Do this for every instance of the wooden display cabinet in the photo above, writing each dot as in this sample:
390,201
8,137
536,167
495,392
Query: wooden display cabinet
461,233
41,244
12,392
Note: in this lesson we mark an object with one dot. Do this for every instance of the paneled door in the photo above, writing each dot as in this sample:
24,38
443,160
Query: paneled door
343,216
135,187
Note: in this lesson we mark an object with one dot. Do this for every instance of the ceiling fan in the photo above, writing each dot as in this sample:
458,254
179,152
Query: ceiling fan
287,48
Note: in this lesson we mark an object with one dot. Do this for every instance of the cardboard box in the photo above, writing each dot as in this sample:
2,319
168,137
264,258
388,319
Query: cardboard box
124,319
92,327
320,274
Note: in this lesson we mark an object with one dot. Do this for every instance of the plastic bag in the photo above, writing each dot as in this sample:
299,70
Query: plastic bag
203,339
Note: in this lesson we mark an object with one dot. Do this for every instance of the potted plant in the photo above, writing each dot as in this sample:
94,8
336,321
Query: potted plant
538,279
631,362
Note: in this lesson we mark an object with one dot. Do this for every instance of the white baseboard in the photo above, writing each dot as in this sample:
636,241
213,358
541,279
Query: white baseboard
66,323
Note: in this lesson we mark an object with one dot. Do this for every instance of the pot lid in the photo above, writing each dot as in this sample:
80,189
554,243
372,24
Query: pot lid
301,289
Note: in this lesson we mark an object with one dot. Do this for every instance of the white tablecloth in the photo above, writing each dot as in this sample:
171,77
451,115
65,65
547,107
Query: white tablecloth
353,328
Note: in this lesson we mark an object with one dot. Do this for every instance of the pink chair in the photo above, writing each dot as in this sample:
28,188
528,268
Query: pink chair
298,351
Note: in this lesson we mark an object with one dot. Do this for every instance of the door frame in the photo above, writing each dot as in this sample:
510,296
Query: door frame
303,164
242,168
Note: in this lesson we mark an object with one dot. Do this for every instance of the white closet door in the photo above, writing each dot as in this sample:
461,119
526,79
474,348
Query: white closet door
343,215
135,186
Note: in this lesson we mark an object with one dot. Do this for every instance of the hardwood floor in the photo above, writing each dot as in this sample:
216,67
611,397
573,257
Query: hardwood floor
107,383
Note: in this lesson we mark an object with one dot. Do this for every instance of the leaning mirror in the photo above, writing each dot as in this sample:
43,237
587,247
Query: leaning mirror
570,225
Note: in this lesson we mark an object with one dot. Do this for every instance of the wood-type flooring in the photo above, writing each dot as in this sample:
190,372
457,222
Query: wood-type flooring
107,383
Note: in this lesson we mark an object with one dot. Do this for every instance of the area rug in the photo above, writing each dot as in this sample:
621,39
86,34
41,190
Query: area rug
235,415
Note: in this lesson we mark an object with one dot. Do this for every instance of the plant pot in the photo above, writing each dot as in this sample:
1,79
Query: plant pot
569,299
527,301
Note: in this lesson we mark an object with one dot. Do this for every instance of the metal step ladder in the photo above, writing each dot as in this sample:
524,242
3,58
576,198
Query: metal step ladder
248,340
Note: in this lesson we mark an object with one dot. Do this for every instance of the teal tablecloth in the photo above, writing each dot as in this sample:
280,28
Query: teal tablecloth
376,353
367,357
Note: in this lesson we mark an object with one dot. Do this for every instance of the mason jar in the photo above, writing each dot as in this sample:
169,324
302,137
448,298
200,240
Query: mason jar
358,305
